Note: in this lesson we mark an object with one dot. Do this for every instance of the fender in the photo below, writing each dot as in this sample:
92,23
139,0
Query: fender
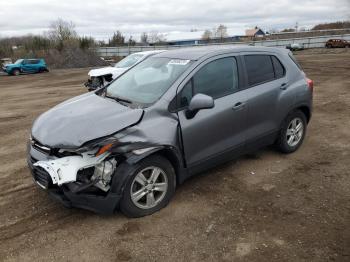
121,175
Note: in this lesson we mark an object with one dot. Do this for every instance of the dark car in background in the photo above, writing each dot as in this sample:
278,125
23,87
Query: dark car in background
337,43
128,145
26,66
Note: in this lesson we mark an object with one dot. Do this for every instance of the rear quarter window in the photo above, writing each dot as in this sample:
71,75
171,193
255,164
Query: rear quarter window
278,67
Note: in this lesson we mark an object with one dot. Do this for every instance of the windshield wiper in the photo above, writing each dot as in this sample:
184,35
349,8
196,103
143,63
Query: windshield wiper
119,99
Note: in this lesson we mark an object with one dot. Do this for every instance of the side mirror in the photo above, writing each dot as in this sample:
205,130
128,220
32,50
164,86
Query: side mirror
198,102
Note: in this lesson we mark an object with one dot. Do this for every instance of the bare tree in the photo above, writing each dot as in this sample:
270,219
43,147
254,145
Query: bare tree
62,33
117,39
131,41
155,37
207,35
144,38
221,32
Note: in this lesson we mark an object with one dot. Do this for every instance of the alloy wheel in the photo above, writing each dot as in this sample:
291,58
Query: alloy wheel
149,187
295,132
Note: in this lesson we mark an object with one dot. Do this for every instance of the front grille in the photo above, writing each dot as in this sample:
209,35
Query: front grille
42,178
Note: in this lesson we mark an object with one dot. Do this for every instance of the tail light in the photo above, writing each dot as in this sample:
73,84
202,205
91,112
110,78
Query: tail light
310,84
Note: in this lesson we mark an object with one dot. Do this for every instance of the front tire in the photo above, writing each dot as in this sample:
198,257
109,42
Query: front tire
15,72
150,187
292,133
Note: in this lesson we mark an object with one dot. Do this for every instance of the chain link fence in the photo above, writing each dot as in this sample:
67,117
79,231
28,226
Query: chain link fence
307,42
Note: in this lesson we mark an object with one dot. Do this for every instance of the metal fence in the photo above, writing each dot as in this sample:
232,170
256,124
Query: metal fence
307,42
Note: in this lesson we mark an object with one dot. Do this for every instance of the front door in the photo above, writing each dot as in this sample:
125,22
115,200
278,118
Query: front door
216,131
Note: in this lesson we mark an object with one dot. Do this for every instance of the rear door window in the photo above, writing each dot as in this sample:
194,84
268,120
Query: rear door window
259,69
33,61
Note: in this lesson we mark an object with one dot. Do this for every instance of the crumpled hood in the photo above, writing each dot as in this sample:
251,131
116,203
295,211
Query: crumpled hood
10,65
115,71
81,119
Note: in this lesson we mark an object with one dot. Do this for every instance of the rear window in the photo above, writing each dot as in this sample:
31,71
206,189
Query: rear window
259,69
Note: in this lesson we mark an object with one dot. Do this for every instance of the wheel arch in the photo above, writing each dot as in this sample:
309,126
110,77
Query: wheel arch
15,68
304,108
170,153
306,111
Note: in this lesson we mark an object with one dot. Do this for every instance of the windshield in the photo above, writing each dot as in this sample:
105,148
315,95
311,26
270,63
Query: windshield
19,61
129,61
148,81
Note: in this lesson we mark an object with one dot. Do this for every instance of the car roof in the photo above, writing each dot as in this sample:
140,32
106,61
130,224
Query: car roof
195,53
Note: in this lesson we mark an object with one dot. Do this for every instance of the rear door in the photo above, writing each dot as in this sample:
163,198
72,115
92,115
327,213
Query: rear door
34,65
212,132
266,82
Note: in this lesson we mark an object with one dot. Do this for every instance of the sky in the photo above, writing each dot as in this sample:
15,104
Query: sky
101,18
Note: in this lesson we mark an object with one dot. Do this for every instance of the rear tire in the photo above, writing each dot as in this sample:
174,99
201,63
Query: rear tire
146,192
292,133
42,70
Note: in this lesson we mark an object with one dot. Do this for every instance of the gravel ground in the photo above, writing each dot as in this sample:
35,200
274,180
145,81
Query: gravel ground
260,207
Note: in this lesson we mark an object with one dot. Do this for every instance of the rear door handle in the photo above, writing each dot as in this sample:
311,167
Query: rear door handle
284,86
238,106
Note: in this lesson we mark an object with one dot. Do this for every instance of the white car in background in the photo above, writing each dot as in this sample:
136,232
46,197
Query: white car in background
102,76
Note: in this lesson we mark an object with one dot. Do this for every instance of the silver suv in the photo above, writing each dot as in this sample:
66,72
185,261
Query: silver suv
128,145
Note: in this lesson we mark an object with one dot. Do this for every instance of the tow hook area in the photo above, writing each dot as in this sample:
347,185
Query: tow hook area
64,170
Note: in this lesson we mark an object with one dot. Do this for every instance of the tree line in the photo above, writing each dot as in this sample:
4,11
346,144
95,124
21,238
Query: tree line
62,35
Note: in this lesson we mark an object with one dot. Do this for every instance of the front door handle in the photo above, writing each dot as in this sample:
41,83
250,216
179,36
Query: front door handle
284,86
238,106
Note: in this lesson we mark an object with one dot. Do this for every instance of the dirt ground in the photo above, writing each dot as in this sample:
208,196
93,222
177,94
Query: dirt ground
261,207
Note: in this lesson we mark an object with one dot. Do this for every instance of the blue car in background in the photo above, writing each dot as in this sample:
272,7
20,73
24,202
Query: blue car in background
26,66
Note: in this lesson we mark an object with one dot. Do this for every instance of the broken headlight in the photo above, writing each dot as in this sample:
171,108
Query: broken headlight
99,147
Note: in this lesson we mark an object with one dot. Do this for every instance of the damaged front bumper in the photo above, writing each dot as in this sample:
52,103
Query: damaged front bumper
98,204
59,177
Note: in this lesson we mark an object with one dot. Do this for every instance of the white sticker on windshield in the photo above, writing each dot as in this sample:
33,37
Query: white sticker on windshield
178,62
